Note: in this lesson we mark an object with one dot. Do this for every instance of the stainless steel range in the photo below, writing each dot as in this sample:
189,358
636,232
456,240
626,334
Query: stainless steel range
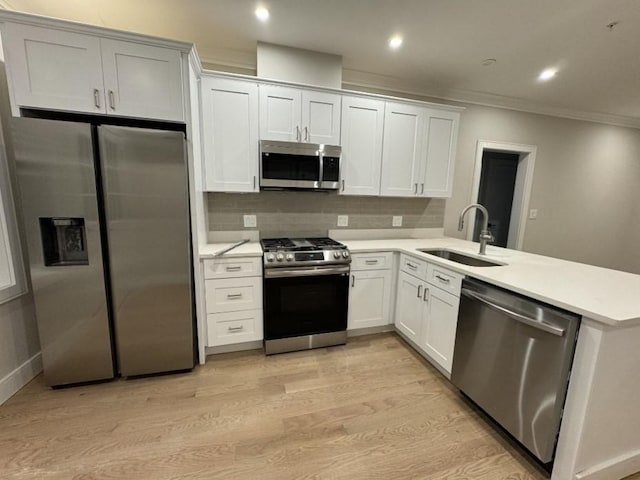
306,293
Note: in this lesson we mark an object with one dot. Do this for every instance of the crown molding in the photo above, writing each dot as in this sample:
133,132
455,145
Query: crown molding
355,79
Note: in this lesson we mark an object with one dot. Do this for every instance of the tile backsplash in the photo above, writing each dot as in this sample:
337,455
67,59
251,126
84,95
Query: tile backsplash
314,213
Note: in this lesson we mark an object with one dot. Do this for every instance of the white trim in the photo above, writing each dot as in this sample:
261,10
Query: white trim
526,162
22,375
619,467
235,347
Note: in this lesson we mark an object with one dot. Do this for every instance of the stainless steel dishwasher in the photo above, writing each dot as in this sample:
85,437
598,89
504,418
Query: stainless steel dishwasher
513,357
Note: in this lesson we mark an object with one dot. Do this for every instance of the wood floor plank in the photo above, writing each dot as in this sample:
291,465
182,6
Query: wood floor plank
372,409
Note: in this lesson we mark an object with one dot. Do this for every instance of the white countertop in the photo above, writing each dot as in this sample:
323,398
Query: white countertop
607,296
250,249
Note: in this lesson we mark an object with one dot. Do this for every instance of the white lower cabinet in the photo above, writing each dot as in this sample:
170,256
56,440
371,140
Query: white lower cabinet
427,314
440,319
233,299
369,298
409,306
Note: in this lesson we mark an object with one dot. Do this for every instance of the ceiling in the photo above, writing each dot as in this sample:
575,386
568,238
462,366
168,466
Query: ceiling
445,42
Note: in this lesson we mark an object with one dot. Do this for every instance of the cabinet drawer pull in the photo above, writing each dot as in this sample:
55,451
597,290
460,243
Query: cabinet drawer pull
419,291
426,294
411,265
371,262
96,97
112,100
442,279
233,296
235,329
237,268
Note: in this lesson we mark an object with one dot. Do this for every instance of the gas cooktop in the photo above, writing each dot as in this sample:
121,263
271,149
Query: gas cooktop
301,252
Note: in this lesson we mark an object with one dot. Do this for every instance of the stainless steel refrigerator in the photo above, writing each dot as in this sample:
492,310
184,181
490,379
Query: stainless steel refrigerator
106,215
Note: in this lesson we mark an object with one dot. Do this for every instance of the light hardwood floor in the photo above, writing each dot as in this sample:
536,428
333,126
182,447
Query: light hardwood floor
369,410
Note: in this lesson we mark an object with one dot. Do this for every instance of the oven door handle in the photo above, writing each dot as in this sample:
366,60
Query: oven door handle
304,272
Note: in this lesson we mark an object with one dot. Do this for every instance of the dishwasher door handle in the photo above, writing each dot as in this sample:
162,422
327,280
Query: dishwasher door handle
552,329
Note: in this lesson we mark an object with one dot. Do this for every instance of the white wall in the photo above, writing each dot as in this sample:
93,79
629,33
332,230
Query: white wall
19,344
585,183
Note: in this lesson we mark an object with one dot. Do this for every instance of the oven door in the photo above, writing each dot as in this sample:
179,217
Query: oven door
305,301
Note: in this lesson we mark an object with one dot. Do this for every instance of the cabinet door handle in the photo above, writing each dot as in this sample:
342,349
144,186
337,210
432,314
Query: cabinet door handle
353,280
426,293
306,134
235,329
422,189
442,279
112,100
233,296
371,262
415,189
254,182
96,97
234,269
343,185
297,133
419,291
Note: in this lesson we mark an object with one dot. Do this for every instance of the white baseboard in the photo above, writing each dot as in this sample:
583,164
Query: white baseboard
616,468
358,332
22,375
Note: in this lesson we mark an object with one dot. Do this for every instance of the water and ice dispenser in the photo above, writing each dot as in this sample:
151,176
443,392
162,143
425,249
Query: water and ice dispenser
64,241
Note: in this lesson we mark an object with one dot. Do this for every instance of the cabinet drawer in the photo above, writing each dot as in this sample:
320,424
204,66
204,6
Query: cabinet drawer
233,294
234,327
445,279
232,267
371,261
413,266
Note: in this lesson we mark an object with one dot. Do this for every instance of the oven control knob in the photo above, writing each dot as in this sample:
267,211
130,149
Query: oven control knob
279,257
289,257
345,254
270,257
336,254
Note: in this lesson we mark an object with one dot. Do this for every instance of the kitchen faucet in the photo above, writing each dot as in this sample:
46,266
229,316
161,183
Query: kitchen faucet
485,234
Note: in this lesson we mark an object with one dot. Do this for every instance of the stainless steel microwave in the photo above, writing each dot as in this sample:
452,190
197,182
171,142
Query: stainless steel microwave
285,165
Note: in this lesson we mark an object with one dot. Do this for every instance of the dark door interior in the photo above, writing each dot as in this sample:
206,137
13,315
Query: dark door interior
497,185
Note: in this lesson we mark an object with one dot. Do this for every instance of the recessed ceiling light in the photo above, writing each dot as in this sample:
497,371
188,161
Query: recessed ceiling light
262,14
395,42
547,74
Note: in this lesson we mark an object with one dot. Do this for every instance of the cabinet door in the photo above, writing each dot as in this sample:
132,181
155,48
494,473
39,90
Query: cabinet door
53,69
362,131
369,299
142,81
440,137
439,330
230,135
280,113
409,306
320,117
402,150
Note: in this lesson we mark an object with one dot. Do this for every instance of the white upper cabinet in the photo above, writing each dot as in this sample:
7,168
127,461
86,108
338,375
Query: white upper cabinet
320,117
296,115
440,151
402,150
362,133
230,135
142,81
54,69
280,113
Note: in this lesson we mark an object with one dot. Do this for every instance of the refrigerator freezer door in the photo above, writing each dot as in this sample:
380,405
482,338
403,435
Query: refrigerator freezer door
56,175
147,209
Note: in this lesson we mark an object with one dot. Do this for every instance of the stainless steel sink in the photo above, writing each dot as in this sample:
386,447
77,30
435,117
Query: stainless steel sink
460,257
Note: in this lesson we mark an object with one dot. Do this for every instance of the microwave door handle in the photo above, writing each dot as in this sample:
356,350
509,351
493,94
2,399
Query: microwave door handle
321,171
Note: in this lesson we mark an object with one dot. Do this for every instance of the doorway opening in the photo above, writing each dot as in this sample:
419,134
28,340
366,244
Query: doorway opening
502,183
